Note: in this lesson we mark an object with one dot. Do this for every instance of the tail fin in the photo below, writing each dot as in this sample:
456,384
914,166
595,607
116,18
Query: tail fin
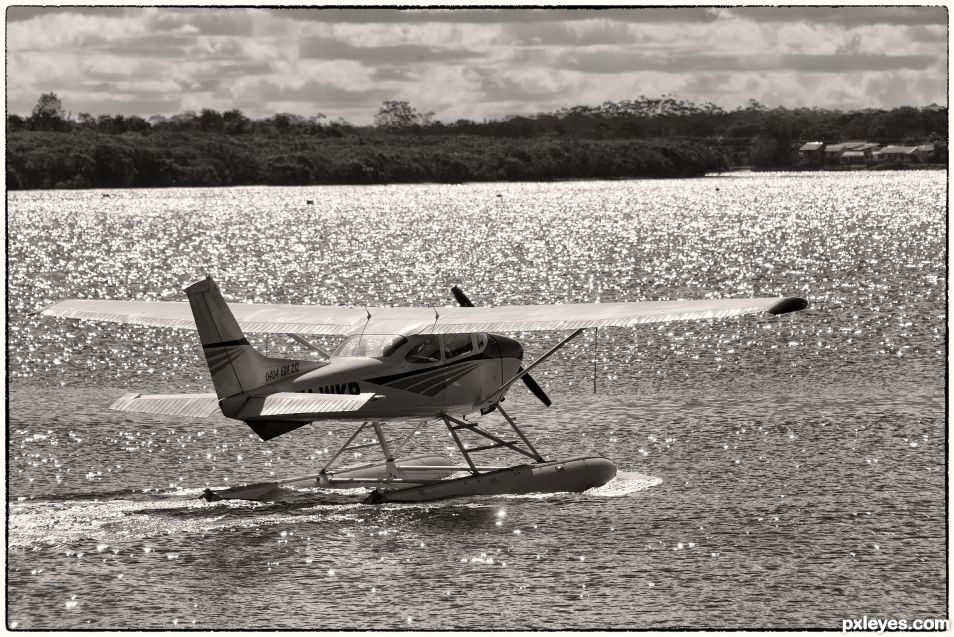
236,367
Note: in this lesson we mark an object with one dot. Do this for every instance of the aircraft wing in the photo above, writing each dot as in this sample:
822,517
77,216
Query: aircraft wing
318,319
278,404
253,318
530,318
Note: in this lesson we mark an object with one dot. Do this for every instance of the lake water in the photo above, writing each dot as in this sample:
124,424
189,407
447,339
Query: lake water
783,472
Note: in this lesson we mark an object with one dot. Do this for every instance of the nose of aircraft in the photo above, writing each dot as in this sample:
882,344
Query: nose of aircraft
508,347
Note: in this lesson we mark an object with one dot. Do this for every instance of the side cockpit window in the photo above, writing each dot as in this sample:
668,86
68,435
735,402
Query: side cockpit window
457,345
428,351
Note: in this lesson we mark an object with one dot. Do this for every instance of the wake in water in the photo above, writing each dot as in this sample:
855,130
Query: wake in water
44,522
625,483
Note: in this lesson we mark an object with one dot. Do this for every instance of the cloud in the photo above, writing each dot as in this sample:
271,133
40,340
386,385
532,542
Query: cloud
322,94
610,62
332,49
845,16
21,14
237,21
930,33
647,15
527,84
853,63
851,47
164,45
473,62
386,73
111,104
586,33
134,88
240,68
893,89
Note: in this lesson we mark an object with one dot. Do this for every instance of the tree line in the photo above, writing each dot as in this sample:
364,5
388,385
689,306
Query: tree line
99,160
662,137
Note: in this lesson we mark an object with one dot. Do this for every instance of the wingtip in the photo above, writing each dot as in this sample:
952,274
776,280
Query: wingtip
788,304
49,310
201,286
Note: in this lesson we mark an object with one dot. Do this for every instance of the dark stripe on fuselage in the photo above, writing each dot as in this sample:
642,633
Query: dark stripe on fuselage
241,341
437,383
223,360
383,380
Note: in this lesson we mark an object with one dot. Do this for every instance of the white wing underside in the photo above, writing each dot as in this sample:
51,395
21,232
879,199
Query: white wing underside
318,319
278,404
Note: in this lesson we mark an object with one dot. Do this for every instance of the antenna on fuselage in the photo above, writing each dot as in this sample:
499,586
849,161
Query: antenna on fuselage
366,321
596,353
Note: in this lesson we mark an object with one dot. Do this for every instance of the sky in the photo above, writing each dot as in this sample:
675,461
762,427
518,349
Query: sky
475,64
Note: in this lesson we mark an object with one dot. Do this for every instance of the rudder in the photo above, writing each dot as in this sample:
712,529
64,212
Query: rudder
236,367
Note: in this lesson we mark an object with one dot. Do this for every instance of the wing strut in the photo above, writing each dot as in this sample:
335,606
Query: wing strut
309,345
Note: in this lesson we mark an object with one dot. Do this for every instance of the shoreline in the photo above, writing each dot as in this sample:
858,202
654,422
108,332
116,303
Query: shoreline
728,171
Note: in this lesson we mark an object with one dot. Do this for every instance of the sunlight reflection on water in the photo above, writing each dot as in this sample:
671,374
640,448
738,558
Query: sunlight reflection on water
783,472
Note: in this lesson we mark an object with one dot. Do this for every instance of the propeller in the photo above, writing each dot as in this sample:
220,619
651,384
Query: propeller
531,384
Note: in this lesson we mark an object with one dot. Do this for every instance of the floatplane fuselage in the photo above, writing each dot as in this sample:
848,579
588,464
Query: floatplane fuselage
413,376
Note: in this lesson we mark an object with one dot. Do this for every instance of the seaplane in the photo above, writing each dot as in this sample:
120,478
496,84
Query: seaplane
445,365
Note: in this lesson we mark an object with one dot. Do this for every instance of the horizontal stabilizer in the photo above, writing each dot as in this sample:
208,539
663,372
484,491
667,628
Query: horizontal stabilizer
295,404
200,405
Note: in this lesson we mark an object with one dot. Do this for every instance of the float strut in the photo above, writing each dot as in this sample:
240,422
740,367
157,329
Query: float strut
459,444
536,455
344,447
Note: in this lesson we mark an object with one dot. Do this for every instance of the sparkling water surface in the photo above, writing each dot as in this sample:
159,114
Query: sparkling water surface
783,472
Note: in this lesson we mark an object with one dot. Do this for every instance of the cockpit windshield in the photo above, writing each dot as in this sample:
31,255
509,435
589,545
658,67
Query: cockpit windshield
373,345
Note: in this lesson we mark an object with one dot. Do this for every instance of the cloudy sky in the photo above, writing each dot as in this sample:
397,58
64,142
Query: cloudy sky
470,63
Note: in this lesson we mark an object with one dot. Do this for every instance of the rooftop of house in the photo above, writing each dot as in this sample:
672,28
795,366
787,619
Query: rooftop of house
842,146
898,150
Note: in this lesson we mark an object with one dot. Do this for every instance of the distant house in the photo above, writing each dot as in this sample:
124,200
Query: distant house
854,157
924,152
811,153
833,152
899,154
858,153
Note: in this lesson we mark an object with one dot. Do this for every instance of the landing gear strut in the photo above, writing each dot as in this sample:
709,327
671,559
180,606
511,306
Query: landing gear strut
453,425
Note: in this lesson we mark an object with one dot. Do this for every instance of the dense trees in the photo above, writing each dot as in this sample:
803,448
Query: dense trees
93,159
662,137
